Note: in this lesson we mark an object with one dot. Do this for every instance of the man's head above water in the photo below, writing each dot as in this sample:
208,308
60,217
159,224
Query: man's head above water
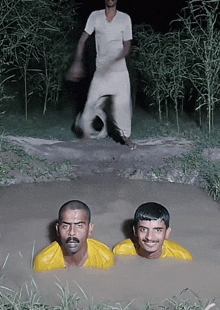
74,205
152,211
75,247
151,228
74,227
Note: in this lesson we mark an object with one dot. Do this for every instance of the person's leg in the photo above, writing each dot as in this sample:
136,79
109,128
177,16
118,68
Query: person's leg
93,109
122,107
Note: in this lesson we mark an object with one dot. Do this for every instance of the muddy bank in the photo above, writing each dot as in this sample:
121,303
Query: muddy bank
59,160
28,160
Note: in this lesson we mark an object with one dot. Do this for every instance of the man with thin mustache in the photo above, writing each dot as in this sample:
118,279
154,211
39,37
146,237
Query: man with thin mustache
74,248
151,233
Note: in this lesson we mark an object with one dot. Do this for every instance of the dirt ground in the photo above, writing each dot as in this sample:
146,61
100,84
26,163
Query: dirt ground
78,158
28,210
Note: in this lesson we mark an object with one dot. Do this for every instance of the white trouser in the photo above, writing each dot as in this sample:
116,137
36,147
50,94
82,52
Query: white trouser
116,84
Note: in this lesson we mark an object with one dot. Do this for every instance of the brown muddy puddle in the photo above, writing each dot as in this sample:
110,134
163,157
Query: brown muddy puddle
27,210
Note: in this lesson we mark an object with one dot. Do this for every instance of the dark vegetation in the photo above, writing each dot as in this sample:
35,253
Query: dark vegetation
36,40
177,71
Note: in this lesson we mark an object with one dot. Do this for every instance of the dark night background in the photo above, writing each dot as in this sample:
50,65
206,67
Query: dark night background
158,14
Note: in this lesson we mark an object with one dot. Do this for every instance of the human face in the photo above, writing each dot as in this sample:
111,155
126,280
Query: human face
151,236
74,229
110,3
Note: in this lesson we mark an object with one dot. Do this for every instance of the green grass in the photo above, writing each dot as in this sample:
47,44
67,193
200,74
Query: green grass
15,300
29,167
28,298
53,126
192,168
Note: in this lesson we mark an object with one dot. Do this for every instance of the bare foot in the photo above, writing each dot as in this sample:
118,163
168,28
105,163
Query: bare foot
130,143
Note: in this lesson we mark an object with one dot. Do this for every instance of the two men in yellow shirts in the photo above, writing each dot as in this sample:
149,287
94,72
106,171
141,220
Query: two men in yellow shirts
75,248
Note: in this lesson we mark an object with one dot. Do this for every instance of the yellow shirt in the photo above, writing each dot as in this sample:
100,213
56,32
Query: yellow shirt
170,249
52,258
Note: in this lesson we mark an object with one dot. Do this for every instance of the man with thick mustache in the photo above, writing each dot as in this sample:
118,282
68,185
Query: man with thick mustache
74,247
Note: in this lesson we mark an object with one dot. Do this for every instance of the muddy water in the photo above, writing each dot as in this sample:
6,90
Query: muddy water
27,211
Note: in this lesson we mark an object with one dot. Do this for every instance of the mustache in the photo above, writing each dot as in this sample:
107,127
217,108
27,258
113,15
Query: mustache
73,239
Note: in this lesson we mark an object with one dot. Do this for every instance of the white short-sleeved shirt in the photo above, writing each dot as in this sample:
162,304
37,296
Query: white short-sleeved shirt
109,36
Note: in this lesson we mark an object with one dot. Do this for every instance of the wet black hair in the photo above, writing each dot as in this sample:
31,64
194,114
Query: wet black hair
74,205
151,211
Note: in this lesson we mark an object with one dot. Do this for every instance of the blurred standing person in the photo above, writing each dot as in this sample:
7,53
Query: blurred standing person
113,35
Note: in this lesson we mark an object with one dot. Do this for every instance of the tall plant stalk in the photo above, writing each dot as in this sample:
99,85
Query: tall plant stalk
200,23
26,29
150,62
176,64
162,63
